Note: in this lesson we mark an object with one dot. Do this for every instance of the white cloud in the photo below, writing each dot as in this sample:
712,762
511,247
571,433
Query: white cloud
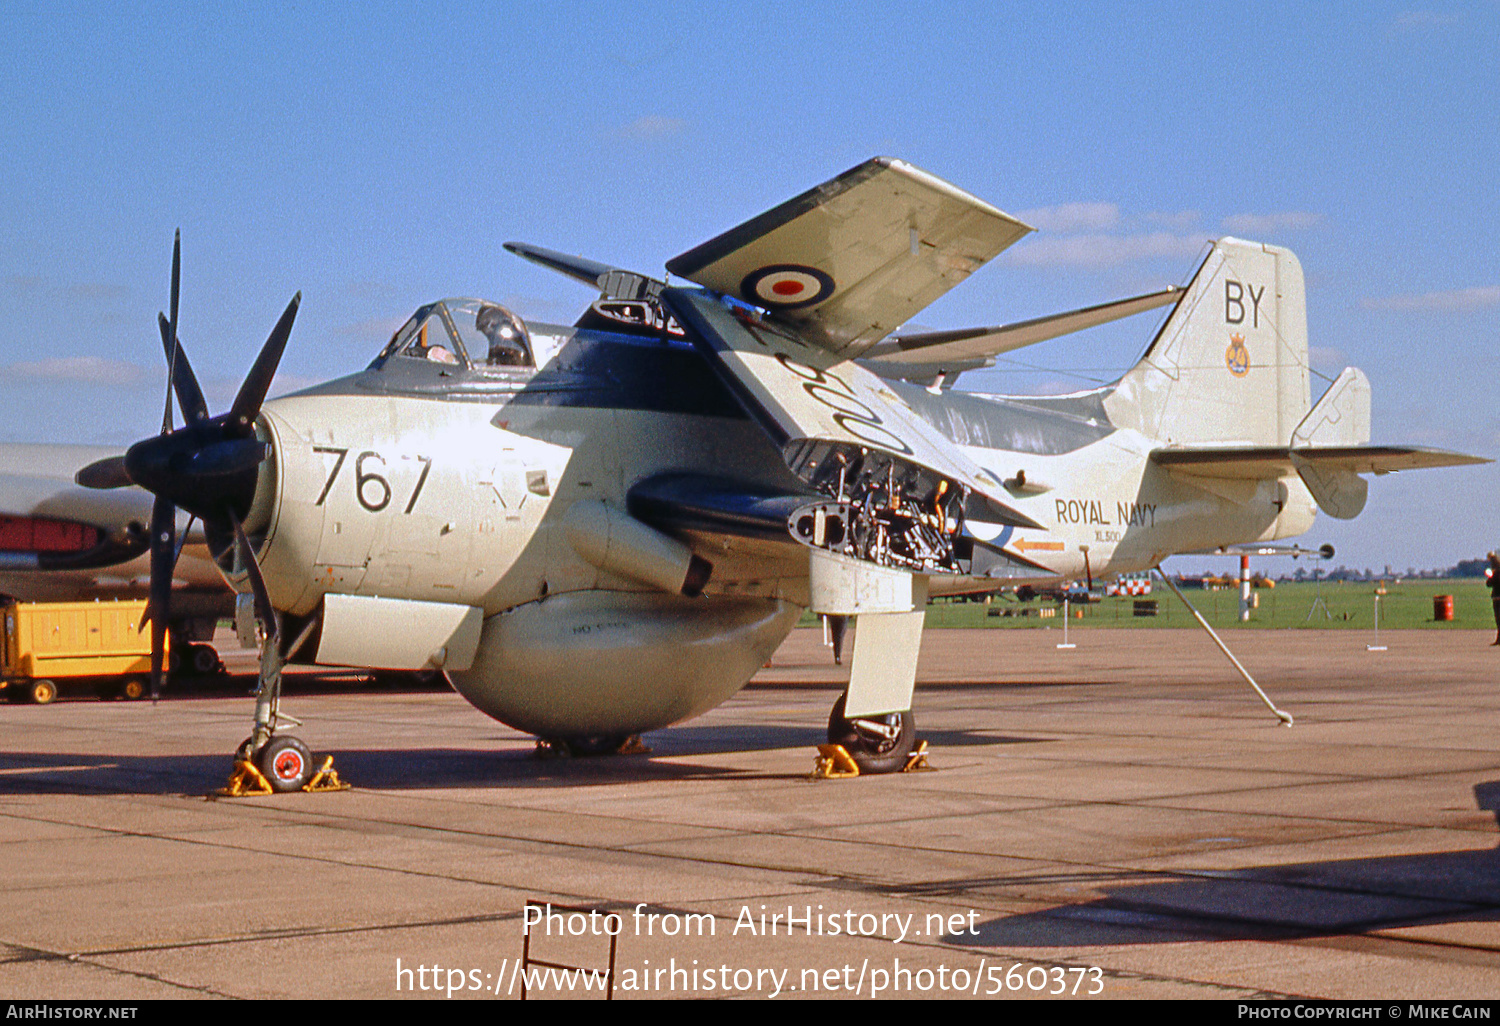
371,290
1073,217
1099,250
22,285
1455,301
97,292
381,328
1261,224
92,370
1412,21
652,126
92,292
283,384
1180,220
1327,356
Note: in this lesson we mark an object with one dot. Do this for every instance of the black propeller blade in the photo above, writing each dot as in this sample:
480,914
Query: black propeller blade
209,467
171,332
264,611
105,473
184,382
158,606
253,392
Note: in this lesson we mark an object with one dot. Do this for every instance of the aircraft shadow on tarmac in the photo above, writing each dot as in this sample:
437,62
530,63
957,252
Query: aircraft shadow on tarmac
403,769
720,738
1283,902
385,769
300,681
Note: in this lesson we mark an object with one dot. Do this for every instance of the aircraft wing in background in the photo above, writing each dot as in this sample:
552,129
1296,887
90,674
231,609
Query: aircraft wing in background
60,541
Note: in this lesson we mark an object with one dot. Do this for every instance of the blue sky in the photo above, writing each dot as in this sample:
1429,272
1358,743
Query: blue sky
375,156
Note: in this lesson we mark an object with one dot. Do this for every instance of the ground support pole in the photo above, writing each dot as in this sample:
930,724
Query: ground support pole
1283,716
1376,646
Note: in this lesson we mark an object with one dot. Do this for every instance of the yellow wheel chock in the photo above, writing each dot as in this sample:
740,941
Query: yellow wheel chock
633,745
916,761
326,779
247,781
834,762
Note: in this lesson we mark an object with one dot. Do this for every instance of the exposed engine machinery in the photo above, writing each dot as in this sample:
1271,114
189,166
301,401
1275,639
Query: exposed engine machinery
883,510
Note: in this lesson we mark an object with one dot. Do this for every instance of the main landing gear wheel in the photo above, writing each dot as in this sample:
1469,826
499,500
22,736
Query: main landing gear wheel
877,744
602,744
286,763
597,744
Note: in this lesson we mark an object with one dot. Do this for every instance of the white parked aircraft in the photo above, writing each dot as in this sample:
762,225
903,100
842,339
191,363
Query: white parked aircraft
603,529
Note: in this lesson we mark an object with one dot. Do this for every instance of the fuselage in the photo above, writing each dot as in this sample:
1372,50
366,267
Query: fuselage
433,483
440,483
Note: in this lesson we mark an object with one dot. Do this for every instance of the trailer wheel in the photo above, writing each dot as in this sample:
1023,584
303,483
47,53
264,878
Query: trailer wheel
43,691
205,660
133,688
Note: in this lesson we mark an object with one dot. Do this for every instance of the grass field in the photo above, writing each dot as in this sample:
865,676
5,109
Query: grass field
1349,606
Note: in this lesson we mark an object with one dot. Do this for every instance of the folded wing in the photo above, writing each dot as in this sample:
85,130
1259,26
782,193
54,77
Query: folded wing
962,345
819,408
848,262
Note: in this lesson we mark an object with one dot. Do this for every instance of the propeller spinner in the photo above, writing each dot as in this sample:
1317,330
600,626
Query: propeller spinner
207,467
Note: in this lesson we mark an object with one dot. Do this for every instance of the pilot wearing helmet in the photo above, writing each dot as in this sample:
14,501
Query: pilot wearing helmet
510,344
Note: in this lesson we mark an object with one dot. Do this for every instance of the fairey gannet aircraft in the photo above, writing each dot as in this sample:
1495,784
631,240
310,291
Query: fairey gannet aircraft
603,529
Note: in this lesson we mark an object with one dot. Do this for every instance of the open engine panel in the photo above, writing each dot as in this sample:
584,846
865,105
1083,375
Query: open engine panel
881,509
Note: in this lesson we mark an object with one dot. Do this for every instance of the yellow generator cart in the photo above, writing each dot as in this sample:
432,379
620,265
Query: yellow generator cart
97,643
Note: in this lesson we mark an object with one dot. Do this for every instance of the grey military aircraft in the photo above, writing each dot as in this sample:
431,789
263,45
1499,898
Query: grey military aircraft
602,529
61,542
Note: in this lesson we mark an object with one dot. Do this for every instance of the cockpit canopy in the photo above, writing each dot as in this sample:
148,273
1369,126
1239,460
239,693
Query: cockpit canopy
469,333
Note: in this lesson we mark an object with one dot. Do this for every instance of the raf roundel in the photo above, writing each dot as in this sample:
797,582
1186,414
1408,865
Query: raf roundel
786,286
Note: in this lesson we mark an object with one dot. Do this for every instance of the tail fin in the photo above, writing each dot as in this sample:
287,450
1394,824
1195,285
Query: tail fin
1230,365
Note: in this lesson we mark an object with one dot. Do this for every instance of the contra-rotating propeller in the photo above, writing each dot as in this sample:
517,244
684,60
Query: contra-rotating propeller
208,467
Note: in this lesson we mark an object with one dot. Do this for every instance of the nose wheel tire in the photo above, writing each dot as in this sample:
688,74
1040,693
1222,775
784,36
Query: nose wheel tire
286,763
877,744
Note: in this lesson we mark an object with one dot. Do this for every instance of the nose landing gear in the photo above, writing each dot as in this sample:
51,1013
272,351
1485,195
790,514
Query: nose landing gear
267,762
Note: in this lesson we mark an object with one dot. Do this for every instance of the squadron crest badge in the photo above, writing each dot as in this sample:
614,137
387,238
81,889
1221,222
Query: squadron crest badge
1237,357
